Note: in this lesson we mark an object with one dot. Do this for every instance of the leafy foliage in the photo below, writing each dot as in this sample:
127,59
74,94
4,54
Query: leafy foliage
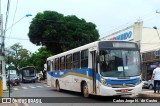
38,59
60,33
20,57
17,55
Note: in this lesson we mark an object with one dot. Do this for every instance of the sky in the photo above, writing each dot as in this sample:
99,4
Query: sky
108,15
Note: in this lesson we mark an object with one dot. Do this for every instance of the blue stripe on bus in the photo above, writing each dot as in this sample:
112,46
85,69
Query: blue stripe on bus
83,73
59,74
98,77
50,73
120,82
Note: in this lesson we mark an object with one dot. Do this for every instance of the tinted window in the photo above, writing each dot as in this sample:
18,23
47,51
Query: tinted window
48,65
84,58
69,61
57,64
62,63
76,60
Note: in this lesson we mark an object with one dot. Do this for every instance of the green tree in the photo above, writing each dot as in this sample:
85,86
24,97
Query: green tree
38,59
60,33
17,55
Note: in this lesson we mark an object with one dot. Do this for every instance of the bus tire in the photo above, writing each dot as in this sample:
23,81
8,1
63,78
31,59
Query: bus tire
85,90
57,86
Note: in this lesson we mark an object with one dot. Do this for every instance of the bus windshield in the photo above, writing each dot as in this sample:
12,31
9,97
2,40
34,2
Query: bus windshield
120,63
29,73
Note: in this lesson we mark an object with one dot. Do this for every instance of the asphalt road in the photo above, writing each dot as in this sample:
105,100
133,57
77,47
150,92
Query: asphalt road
67,98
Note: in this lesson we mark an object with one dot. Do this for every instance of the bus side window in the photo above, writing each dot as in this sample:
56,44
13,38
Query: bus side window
84,59
69,61
48,65
53,68
76,60
57,64
62,63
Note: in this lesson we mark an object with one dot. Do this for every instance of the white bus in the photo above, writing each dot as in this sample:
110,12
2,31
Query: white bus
104,68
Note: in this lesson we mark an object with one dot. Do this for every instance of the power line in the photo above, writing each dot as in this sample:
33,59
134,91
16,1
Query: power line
16,38
13,19
7,15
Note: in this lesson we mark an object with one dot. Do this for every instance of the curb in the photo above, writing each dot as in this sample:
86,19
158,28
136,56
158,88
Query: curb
149,95
43,81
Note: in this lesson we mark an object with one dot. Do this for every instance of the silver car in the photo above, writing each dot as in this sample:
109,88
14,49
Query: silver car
148,84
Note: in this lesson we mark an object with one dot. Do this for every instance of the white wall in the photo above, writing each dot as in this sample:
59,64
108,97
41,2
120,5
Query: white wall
150,40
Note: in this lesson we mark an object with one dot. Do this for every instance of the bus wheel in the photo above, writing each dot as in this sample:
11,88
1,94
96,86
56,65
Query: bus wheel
57,86
85,90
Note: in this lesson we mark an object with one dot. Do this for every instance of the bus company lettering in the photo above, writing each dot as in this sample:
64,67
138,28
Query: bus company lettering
123,36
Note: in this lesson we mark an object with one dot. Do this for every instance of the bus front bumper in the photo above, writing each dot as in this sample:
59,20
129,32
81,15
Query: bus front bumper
109,91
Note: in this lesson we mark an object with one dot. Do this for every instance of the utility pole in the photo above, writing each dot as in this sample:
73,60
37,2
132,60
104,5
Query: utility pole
2,52
3,56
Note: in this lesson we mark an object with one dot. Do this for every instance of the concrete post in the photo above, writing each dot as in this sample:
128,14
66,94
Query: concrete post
2,58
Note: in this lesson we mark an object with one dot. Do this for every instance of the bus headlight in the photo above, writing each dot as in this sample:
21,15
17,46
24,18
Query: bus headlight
103,80
141,78
140,81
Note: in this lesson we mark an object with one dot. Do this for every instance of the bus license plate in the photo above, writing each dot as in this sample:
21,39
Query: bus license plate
124,90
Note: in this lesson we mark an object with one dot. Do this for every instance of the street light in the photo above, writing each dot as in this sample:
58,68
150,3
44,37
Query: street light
2,49
157,31
27,15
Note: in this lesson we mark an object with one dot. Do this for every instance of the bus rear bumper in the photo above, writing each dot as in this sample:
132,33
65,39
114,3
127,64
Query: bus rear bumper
109,91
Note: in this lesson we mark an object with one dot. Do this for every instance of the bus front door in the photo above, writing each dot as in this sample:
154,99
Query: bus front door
93,56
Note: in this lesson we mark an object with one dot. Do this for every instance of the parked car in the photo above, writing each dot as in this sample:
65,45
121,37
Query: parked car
14,79
145,84
148,84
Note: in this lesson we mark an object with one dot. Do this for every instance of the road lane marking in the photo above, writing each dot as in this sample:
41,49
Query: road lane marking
15,89
24,87
32,87
47,86
40,86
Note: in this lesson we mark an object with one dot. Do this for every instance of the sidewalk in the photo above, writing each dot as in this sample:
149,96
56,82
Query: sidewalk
149,95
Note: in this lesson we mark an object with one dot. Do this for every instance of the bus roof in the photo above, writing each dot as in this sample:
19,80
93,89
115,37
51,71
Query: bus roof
75,49
93,44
